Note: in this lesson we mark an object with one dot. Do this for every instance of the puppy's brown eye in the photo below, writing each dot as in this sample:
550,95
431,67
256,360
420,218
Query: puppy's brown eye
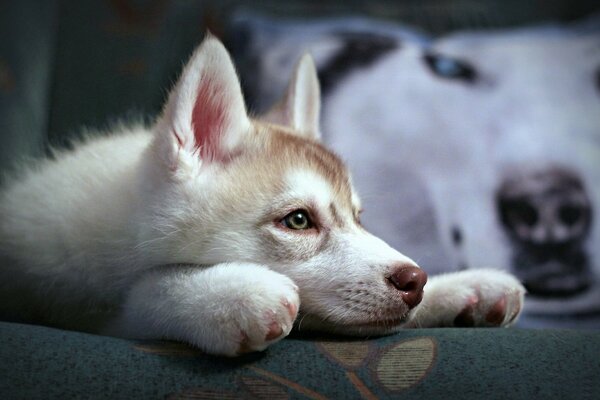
297,220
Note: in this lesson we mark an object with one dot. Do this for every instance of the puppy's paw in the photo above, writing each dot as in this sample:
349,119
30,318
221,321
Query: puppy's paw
472,298
267,316
251,308
226,309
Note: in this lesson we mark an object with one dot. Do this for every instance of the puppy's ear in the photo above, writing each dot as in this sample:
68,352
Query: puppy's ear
300,106
205,117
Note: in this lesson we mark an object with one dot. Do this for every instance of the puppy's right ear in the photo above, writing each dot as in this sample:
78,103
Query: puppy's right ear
204,119
300,106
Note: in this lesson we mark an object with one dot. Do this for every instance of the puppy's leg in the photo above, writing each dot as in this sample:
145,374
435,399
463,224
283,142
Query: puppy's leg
470,298
224,309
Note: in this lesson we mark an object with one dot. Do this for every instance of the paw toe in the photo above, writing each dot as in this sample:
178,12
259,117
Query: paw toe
291,308
466,317
496,313
244,344
275,331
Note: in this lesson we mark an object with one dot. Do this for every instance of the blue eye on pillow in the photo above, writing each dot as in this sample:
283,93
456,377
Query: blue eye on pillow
450,68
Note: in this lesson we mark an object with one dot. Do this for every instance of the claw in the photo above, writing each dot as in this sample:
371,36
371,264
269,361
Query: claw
515,313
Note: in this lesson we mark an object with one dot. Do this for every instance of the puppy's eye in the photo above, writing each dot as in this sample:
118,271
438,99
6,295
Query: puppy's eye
297,220
450,68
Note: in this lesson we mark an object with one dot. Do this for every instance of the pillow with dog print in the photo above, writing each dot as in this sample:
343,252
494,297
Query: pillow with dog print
474,149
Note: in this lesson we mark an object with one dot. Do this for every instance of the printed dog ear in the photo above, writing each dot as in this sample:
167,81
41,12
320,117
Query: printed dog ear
205,115
300,106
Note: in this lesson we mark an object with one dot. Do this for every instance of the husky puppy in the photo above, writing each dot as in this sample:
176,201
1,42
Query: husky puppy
213,228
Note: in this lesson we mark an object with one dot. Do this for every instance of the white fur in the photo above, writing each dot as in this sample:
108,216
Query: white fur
307,184
166,232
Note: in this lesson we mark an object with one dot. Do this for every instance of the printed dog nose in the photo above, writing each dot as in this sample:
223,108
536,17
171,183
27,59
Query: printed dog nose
409,280
545,208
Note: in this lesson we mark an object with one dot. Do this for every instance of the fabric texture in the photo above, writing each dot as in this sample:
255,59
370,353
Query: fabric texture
44,363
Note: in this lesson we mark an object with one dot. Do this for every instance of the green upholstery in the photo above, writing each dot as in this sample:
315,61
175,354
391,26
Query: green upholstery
27,52
44,363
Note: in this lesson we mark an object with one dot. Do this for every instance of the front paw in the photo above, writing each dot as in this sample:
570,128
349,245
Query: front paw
226,309
256,311
267,318
474,298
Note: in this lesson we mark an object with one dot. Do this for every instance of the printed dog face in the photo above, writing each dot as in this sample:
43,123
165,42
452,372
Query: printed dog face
511,181
484,148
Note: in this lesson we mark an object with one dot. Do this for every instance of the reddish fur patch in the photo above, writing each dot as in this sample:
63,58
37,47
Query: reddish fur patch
208,117
293,148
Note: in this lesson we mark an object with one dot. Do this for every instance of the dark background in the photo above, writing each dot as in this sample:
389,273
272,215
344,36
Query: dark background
70,65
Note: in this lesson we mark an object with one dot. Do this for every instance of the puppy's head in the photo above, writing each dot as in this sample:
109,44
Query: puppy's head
228,188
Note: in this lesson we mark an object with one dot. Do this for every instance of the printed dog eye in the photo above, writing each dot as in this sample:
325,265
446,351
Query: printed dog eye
297,220
450,68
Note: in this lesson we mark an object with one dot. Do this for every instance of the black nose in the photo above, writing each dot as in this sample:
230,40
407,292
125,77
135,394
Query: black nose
409,280
543,208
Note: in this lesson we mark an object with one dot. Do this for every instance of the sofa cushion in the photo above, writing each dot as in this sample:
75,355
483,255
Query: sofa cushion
40,362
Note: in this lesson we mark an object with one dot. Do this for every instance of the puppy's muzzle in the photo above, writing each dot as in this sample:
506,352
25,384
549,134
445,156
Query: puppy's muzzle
409,280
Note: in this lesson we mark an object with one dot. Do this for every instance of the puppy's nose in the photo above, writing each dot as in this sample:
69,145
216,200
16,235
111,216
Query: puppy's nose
409,280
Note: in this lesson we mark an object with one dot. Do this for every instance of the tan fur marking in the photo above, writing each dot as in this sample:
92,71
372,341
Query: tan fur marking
337,220
270,153
295,150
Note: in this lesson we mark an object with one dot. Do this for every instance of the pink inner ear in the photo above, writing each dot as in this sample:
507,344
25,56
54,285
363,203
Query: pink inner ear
208,117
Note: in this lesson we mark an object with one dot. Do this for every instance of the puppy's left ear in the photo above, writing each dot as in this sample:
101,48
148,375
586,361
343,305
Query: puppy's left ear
300,106
204,120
